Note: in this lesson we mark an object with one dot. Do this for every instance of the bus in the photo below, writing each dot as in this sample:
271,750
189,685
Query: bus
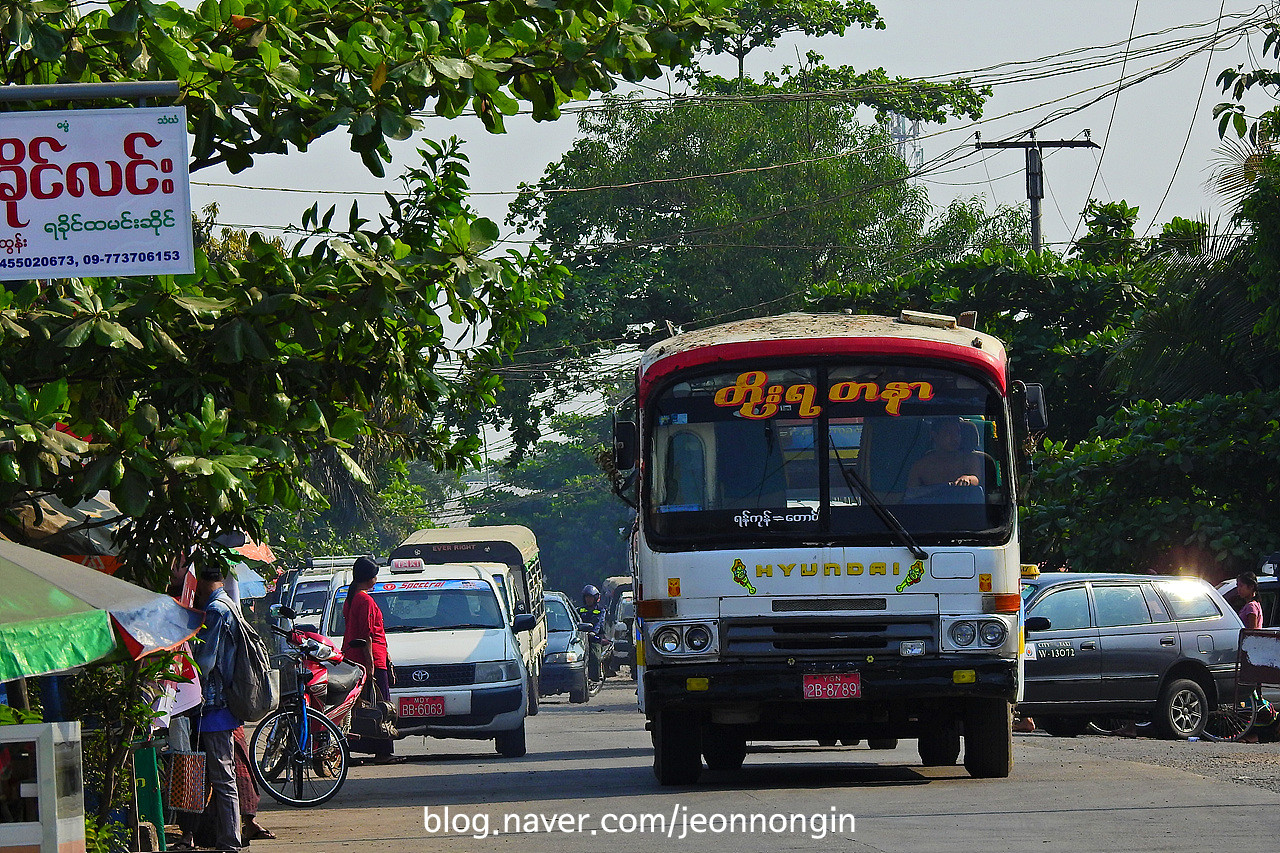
826,544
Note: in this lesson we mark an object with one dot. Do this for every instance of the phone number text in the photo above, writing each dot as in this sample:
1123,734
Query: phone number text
90,260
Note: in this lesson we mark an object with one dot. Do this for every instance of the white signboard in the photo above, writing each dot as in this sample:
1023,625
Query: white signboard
94,193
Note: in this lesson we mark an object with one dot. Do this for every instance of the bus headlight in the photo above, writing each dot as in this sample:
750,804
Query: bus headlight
993,633
697,639
667,641
963,633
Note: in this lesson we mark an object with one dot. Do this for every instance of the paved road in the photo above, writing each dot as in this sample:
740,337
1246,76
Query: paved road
592,764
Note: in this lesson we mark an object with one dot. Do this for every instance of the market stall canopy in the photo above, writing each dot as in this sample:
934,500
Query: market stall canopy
56,615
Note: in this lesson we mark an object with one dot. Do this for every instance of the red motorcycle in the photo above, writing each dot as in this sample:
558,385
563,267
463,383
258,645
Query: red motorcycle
333,683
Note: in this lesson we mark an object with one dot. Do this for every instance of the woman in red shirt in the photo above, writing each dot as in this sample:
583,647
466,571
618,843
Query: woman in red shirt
364,622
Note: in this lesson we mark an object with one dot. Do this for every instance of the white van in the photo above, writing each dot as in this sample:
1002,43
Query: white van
451,636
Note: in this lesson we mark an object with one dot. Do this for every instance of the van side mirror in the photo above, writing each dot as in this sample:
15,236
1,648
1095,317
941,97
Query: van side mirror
524,622
1037,623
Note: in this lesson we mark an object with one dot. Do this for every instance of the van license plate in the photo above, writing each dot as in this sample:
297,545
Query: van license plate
845,685
422,706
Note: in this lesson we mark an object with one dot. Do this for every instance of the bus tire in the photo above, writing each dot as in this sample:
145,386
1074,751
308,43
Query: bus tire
988,738
723,750
677,749
940,747
882,742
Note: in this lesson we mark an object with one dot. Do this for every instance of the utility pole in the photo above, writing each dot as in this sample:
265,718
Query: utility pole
1035,171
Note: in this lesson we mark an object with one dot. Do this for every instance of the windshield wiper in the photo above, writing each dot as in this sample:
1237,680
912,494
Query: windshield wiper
855,483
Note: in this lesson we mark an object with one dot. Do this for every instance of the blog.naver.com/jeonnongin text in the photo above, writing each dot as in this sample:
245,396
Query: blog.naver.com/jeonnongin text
678,823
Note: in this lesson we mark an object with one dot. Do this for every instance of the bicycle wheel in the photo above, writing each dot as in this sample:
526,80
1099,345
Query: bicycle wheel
1230,721
291,772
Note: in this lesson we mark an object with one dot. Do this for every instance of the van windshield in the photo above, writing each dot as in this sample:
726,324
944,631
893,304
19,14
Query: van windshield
409,606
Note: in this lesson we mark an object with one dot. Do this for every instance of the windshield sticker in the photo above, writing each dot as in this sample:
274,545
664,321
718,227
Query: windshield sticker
914,575
739,570
755,400
765,518
668,420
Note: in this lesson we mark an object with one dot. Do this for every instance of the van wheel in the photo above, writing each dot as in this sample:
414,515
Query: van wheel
882,742
1183,708
510,744
533,696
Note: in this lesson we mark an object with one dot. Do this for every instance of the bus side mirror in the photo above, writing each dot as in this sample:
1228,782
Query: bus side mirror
625,445
1037,410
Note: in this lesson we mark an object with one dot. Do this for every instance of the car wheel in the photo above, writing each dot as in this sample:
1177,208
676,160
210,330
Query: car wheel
578,693
882,742
940,747
1064,726
988,738
510,744
1183,708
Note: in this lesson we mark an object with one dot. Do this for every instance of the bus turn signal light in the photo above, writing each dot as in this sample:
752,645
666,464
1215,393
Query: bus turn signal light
656,608
1002,602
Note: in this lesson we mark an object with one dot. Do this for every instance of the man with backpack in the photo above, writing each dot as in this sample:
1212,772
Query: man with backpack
215,654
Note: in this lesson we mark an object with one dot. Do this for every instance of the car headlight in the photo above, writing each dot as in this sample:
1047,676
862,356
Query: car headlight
502,670
697,639
963,633
667,641
993,633
563,657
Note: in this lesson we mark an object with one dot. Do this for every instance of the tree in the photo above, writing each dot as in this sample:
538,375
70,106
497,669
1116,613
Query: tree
733,200
201,399
271,76
762,23
560,492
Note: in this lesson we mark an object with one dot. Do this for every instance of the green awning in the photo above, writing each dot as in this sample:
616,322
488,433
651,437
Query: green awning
34,647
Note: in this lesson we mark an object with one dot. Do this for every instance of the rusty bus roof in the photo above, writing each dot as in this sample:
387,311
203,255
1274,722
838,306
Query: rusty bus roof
821,334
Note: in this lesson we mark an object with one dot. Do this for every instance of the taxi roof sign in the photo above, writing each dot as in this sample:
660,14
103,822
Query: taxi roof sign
1030,570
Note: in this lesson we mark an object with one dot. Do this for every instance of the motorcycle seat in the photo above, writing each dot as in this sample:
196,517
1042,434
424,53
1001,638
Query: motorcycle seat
343,677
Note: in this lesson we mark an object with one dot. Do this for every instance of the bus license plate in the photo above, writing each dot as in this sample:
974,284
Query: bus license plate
422,706
845,685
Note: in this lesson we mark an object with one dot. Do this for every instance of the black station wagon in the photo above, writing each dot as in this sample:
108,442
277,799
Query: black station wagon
1143,646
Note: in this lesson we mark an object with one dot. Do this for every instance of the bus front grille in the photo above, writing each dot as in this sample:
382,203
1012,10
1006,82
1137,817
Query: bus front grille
823,637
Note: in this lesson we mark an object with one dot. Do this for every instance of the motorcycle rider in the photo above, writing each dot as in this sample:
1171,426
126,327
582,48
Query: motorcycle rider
591,613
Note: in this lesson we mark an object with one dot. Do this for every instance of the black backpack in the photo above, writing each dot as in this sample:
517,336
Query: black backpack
250,691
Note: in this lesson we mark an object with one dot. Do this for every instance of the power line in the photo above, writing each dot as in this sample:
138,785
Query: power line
1110,121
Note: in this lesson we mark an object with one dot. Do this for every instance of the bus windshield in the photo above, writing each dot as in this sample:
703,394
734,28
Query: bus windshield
798,451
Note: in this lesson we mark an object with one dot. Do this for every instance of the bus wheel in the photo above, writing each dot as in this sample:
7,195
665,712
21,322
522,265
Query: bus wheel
988,738
677,749
940,747
723,750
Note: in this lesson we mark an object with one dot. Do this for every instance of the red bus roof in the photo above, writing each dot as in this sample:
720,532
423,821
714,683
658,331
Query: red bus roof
821,334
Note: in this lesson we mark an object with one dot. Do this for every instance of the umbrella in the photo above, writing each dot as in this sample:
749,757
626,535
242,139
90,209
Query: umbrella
248,583
56,615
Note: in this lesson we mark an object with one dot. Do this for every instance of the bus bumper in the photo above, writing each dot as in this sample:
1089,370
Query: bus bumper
893,684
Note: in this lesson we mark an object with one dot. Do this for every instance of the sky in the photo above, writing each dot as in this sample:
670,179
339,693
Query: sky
1158,137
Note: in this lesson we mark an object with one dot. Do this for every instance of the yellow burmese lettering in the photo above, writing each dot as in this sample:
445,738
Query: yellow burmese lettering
853,569
808,569
804,395
877,569
787,568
